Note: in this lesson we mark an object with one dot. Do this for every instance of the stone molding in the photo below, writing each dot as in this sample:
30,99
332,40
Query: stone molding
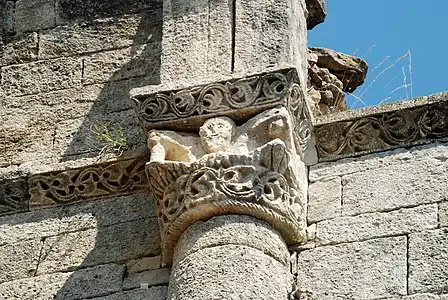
88,183
187,109
391,126
261,184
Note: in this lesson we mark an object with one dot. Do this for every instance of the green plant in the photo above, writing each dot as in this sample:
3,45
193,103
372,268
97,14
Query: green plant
111,136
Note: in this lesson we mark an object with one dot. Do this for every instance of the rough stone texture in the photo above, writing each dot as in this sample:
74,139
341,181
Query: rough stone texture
443,214
19,50
41,76
223,269
363,270
33,15
389,187
19,260
100,35
115,243
153,293
428,261
421,297
324,200
14,195
150,278
60,220
233,229
317,11
143,264
373,225
87,283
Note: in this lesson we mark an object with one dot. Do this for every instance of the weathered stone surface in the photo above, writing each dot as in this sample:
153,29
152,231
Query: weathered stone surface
19,50
443,214
70,10
19,260
122,64
317,11
223,269
87,283
14,195
270,34
423,155
421,297
149,278
324,200
373,225
115,243
418,121
152,293
100,35
6,19
41,76
143,264
362,270
389,187
60,220
428,261
33,15
197,41
233,230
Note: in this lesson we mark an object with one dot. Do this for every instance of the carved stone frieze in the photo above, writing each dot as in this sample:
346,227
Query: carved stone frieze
240,99
381,131
88,183
250,169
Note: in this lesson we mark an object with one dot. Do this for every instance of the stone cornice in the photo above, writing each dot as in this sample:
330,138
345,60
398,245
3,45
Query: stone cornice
403,124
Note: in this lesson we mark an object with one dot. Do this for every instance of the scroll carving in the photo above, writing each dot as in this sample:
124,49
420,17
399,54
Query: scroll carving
92,182
251,169
382,131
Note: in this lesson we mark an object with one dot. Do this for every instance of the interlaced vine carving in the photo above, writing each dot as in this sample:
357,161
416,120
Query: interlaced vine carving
382,131
92,182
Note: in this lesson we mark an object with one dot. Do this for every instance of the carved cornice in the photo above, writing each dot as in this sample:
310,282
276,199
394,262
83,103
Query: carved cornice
88,183
402,127
240,99
260,184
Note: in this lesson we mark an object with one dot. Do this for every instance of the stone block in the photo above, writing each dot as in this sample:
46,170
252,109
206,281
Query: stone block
443,214
324,200
435,152
143,264
14,195
115,243
19,260
70,10
420,297
100,35
136,61
373,225
86,283
6,18
152,293
34,15
19,50
317,11
41,76
428,261
389,187
363,270
65,219
147,278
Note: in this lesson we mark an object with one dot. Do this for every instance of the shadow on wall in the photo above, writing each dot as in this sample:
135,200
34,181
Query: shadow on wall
112,115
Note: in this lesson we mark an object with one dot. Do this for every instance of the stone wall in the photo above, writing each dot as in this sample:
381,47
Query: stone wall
378,227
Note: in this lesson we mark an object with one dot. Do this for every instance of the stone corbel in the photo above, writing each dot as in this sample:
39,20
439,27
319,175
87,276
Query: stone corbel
219,168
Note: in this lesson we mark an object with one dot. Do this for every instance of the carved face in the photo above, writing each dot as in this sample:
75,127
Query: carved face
216,134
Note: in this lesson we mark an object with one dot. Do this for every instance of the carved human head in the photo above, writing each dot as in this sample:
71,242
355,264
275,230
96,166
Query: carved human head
216,134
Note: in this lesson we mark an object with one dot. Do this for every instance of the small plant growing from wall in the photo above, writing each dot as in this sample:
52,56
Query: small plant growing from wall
111,137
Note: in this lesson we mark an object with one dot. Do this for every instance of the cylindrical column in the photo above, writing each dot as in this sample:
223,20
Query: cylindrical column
230,257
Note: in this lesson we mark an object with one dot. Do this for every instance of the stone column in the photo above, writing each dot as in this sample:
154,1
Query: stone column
227,167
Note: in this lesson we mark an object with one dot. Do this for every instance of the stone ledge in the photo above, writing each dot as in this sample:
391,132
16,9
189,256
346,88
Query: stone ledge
403,124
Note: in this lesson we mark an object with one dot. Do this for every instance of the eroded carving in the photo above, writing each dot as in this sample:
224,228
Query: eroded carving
382,131
250,169
92,182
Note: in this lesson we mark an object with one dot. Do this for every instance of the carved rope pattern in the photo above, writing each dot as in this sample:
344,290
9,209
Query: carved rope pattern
88,183
382,131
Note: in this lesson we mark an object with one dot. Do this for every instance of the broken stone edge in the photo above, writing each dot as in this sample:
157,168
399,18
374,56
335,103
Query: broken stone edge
402,124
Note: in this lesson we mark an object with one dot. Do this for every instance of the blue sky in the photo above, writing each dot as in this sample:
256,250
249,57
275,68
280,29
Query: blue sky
382,32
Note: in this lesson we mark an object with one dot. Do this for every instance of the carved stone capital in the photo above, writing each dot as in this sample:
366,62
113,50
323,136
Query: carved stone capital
263,184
